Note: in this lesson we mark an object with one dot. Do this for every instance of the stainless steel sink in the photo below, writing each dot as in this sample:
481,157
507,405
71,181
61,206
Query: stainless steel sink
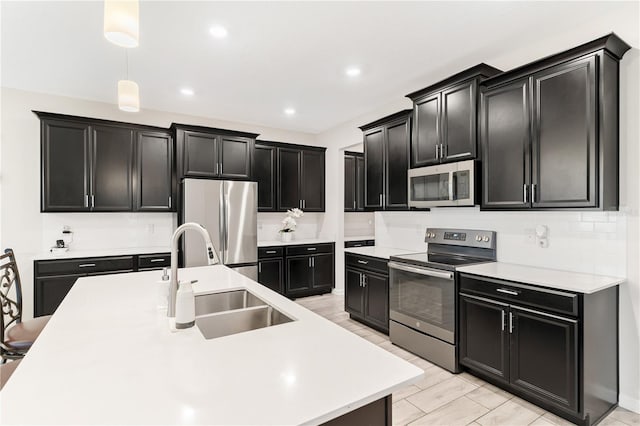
226,301
240,320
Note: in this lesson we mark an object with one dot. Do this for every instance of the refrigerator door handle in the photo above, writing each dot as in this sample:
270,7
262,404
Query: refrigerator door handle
227,209
222,224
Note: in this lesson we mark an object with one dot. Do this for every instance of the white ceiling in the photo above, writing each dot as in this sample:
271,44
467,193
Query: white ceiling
281,54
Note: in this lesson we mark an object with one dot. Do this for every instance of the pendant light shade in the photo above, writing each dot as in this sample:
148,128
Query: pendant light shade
122,22
128,96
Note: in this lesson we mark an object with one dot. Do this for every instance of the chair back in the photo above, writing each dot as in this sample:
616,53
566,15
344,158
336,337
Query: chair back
10,301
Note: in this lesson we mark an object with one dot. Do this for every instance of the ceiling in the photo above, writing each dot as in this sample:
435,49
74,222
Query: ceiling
280,54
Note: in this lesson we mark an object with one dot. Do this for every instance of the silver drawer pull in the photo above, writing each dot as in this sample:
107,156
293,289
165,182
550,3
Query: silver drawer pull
271,252
504,290
364,262
86,265
311,249
157,260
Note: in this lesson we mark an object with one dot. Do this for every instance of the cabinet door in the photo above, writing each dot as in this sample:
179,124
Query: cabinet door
350,204
154,189
65,166
459,122
322,265
359,184
270,274
377,299
484,337
544,356
200,154
426,135
397,164
299,276
235,157
564,169
374,168
505,138
50,291
264,172
312,189
289,173
354,293
112,183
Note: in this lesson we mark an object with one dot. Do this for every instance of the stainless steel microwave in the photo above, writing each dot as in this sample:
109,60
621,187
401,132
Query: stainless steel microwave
452,184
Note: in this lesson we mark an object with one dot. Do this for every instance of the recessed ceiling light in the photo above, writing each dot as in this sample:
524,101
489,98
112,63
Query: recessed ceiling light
353,71
187,91
289,111
218,31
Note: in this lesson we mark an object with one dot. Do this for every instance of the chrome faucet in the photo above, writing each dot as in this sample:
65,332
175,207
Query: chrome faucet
212,259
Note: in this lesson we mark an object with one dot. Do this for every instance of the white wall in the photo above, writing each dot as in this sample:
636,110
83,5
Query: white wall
28,231
308,226
359,224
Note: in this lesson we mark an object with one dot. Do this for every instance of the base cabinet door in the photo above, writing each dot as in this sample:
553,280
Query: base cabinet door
544,356
354,293
299,276
322,266
484,336
270,274
49,293
377,299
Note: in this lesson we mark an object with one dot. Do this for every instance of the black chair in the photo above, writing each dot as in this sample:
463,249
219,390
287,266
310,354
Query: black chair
17,335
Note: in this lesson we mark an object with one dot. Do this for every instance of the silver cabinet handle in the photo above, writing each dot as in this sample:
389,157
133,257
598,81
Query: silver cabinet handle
309,262
157,260
259,267
441,151
506,291
271,252
533,193
363,262
304,204
502,319
510,322
360,283
354,204
86,200
221,172
93,200
380,200
86,265
384,200
216,168
524,193
169,201
437,151
311,249
364,280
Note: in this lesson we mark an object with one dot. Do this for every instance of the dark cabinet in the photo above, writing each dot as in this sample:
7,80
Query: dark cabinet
155,188
50,292
353,182
265,173
235,157
309,269
270,274
554,348
200,155
386,161
445,117
99,165
301,178
549,131
367,291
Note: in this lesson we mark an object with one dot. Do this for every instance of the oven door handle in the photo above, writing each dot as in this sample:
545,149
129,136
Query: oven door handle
422,271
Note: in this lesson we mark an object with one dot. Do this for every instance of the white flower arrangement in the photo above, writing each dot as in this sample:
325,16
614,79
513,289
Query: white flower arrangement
289,222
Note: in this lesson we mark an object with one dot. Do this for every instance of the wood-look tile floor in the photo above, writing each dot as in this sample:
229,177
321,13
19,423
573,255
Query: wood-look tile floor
443,398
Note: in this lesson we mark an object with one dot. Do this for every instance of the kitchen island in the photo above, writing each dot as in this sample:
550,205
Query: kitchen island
109,356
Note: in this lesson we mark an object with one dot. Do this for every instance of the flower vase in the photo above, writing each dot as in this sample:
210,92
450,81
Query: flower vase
286,236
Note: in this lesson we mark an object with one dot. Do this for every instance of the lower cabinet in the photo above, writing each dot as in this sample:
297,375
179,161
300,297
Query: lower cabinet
297,270
54,278
367,291
557,349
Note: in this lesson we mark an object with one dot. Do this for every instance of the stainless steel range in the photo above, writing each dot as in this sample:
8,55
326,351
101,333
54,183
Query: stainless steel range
423,288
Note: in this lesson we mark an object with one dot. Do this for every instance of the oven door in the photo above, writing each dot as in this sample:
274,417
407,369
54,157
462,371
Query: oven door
423,299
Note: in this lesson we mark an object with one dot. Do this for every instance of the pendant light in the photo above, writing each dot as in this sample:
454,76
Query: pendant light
128,93
122,22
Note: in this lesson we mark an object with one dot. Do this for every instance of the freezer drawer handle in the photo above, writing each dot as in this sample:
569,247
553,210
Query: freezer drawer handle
86,265
504,290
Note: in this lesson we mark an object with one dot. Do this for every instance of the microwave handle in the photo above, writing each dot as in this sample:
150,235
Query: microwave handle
421,271
451,177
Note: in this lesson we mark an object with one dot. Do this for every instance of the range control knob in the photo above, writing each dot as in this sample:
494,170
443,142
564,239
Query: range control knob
478,238
485,238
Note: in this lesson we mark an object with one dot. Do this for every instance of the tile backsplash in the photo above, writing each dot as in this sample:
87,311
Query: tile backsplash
270,223
591,242
359,224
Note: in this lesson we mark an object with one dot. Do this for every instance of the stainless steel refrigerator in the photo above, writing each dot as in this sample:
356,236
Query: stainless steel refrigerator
228,210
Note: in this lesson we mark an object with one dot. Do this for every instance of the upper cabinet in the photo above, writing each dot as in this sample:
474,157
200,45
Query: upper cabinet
386,161
99,165
214,153
353,182
445,117
289,176
549,131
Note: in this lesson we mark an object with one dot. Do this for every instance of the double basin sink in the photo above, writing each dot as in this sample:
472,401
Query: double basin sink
224,313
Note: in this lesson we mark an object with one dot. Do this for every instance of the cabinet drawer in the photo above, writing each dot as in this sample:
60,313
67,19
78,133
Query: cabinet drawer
520,294
159,260
366,262
84,266
265,252
359,243
309,249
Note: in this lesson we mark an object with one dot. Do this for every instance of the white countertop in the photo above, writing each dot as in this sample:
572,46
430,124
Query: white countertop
553,278
360,238
269,243
376,251
72,254
108,356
